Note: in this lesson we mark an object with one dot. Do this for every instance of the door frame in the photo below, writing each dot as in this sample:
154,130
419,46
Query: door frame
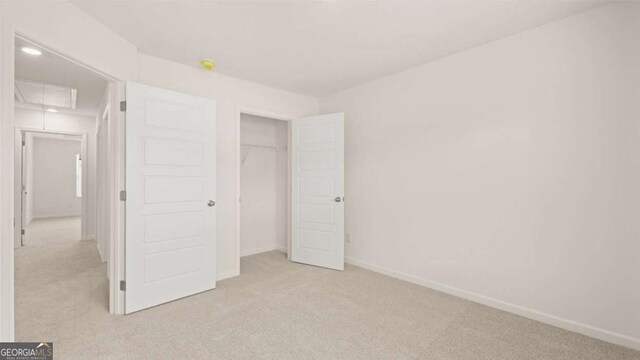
22,131
270,115
116,160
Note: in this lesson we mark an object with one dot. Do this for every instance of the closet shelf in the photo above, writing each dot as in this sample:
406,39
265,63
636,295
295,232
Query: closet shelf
264,147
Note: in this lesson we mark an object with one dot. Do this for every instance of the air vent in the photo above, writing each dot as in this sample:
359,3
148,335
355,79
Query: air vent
30,92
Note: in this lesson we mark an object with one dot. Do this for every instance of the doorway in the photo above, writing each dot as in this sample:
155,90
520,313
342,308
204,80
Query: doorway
264,186
51,160
59,107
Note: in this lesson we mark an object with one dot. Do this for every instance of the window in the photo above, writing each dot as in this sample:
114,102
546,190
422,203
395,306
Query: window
78,176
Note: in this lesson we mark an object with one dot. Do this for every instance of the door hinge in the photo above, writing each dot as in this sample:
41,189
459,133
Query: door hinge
24,143
123,106
22,232
123,195
123,285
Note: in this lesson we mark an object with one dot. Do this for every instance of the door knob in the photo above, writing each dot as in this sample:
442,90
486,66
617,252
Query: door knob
211,203
337,199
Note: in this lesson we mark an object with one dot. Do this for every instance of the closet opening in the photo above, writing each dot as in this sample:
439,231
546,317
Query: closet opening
264,187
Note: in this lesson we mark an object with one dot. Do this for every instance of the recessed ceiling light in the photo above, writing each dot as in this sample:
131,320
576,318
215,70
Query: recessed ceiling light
52,110
31,51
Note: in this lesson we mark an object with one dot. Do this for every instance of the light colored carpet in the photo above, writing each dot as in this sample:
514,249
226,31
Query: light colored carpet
275,310
53,231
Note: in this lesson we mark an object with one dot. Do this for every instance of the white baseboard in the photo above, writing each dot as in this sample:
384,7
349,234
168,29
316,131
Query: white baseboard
230,274
102,257
227,275
264,249
257,250
591,331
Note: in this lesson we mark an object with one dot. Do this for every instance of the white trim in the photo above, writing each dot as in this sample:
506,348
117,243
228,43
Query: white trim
116,183
18,193
105,113
265,114
18,35
258,250
227,275
55,216
102,208
282,249
289,187
84,153
101,255
566,324
237,198
7,133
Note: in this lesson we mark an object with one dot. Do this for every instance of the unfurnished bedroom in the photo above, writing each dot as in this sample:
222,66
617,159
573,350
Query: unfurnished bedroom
452,180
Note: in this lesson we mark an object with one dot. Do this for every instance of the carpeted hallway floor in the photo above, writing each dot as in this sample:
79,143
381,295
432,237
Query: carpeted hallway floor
275,310
53,231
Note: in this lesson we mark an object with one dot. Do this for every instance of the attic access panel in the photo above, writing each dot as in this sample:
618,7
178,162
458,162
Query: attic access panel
37,93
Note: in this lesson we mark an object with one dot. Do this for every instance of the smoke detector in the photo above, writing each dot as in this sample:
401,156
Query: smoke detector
208,64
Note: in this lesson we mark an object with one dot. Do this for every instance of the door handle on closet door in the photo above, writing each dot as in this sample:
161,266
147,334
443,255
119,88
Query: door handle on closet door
338,199
211,203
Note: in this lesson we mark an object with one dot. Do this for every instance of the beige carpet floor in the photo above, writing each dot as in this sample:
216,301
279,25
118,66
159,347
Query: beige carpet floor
275,310
52,231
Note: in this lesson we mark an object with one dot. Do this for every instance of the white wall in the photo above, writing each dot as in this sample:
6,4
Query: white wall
68,30
33,119
54,177
263,185
230,95
508,173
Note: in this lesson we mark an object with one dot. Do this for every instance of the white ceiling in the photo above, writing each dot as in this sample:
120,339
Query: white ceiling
52,69
320,47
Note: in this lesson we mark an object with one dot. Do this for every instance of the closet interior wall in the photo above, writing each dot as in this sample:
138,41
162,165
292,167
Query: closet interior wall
263,184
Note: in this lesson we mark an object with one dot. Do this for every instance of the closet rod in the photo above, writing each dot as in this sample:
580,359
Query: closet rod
265,146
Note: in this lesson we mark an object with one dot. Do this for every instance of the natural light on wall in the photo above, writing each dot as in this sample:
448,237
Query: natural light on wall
78,176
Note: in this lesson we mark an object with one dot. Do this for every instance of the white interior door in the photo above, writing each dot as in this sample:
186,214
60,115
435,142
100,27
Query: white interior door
170,181
317,184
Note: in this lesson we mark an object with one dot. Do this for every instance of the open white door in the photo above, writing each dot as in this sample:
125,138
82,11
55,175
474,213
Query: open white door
170,181
317,184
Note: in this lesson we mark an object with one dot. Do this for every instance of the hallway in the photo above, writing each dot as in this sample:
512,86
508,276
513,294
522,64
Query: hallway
58,278
53,231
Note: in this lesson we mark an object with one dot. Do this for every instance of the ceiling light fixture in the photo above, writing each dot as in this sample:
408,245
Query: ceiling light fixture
31,51
208,64
52,110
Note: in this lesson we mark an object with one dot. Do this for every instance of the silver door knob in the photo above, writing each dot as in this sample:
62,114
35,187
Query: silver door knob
337,199
211,203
